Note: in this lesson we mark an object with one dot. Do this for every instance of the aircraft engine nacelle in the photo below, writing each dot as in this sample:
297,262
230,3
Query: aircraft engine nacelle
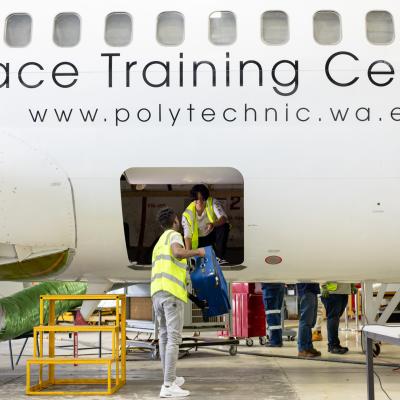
37,217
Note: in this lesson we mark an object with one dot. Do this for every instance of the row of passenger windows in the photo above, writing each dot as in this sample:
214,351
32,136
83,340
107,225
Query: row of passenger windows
222,28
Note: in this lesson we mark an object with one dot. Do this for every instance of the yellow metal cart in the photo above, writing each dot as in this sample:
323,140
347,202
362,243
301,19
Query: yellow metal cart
116,364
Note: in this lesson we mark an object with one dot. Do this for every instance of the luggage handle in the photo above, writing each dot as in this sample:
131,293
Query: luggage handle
202,304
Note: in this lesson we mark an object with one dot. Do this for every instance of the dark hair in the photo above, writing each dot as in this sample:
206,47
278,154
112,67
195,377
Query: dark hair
166,217
202,189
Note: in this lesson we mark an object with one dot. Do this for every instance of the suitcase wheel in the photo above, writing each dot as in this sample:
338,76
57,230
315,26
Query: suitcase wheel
233,350
249,342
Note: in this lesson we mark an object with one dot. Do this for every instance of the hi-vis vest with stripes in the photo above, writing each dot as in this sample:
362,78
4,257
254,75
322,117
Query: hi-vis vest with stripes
332,286
191,217
168,273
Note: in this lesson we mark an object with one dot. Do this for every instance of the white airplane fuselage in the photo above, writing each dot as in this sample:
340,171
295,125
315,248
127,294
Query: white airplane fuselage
323,195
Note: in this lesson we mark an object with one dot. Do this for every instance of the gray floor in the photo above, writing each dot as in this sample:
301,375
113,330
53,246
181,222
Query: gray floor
258,374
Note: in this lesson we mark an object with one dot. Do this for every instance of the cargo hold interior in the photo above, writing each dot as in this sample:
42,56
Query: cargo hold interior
142,197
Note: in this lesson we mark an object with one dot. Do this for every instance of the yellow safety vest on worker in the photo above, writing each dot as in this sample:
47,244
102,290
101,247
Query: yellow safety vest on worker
191,216
168,273
332,286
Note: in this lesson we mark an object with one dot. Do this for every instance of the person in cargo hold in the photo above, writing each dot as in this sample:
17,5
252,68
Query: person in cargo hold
169,293
205,223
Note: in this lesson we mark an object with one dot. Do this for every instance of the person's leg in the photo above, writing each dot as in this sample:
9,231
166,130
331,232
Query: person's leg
273,300
162,326
221,239
208,240
343,300
332,305
173,309
300,333
308,312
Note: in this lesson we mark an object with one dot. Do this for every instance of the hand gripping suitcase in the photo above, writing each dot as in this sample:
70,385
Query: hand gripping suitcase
209,284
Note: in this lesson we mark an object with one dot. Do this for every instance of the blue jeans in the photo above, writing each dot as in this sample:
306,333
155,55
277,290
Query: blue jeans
273,294
308,318
335,305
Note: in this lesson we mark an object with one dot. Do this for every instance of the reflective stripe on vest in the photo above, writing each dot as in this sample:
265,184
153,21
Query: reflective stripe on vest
191,216
175,261
168,276
168,273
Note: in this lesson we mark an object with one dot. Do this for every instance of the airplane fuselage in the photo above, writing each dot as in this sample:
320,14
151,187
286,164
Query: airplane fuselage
312,129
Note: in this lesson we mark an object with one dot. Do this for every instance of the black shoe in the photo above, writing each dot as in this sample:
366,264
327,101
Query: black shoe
269,344
338,349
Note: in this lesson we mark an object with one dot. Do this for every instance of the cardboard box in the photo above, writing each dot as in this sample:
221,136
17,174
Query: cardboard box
141,308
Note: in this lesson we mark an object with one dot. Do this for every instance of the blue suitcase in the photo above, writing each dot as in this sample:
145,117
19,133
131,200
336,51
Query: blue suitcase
209,285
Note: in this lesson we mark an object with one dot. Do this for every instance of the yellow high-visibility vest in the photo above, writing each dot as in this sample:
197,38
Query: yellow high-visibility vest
332,286
191,217
168,273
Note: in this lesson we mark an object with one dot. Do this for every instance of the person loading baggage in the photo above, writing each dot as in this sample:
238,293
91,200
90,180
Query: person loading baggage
205,223
169,293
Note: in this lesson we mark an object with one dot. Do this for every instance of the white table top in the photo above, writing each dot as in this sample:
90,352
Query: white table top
388,331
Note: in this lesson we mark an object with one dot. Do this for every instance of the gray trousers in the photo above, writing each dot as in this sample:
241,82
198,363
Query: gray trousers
169,313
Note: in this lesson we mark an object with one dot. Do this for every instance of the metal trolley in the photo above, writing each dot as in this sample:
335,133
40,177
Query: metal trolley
193,322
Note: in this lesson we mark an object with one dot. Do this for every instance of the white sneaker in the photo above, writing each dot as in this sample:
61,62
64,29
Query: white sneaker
179,380
221,261
173,391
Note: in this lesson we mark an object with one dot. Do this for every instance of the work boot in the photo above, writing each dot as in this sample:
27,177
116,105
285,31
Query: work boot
315,352
173,391
310,353
317,336
338,349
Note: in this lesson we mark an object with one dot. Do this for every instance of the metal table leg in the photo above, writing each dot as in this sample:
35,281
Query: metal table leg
370,369
11,354
22,350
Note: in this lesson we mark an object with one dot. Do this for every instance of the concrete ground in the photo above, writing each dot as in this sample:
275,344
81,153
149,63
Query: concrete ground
254,373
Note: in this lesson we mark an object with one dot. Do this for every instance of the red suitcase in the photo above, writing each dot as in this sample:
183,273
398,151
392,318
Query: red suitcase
248,313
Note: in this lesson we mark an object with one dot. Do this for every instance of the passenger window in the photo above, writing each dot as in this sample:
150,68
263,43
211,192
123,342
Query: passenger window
275,27
170,28
118,29
18,30
327,27
67,30
222,27
380,27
